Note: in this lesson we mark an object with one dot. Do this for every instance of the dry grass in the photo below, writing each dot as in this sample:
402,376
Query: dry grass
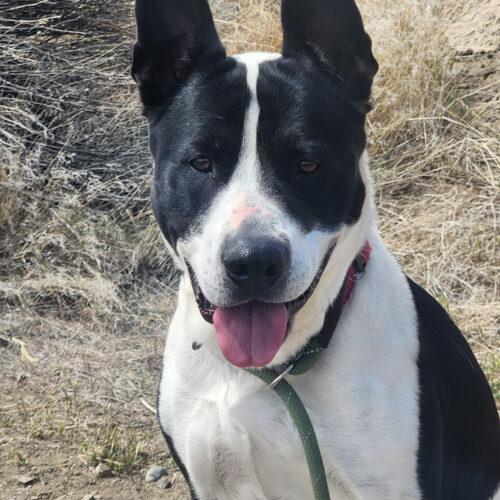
84,279
76,232
436,161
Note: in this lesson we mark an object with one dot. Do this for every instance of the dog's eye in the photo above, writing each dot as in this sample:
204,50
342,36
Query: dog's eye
203,164
308,167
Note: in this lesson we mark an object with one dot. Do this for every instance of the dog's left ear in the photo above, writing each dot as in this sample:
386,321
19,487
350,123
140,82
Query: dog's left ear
173,38
331,32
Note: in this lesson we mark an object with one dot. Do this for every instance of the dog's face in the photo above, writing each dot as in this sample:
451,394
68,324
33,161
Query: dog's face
256,158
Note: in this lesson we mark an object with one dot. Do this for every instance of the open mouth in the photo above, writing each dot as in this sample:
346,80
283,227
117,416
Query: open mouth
250,334
207,309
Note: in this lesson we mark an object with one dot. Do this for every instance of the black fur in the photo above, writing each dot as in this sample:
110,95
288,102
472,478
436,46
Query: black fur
459,453
305,114
205,118
173,38
331,33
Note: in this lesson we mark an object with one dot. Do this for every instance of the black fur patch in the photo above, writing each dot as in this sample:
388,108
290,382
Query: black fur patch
459,453
307,115
205,119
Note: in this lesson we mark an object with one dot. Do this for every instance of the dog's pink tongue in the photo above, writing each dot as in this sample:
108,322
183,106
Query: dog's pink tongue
250,335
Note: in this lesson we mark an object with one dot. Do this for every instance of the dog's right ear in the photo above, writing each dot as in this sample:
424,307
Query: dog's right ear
173,38
331,32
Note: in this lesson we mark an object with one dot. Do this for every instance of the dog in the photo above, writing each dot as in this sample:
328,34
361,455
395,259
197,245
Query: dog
263,193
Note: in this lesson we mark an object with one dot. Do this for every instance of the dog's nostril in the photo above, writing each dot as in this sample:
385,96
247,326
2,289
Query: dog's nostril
272,271
239,271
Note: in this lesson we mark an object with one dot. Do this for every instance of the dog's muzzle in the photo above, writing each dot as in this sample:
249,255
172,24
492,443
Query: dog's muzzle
252,327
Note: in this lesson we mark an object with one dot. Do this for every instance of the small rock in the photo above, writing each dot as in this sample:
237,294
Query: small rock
102,471
155,474
165,483
26,480
92,496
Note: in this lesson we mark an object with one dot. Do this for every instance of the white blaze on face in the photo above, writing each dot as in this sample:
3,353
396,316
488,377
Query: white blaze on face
246,197
248,169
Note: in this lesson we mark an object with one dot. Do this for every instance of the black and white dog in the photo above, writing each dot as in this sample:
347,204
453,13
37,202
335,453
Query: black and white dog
263,193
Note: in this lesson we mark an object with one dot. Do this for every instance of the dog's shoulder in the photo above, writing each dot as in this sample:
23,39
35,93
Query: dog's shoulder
459,427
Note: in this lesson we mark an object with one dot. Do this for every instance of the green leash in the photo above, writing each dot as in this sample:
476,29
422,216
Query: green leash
275,380
304,426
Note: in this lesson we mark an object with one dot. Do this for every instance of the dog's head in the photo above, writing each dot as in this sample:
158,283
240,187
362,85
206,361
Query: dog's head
256,158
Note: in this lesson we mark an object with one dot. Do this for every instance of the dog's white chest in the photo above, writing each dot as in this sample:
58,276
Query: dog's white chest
238,441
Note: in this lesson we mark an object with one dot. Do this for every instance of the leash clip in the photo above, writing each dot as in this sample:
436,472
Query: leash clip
280,377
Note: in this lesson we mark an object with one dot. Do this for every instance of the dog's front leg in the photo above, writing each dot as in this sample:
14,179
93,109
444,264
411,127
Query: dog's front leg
219,457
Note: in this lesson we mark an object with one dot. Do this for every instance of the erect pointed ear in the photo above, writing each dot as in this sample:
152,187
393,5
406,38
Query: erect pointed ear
332,33
173,38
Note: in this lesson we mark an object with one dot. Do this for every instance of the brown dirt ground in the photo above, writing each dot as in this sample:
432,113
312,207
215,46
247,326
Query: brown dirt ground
50,408
58,419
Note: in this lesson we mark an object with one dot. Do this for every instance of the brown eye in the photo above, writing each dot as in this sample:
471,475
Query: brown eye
308,167
203,165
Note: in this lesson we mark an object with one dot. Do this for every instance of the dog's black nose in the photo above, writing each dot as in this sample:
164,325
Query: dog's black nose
255,263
